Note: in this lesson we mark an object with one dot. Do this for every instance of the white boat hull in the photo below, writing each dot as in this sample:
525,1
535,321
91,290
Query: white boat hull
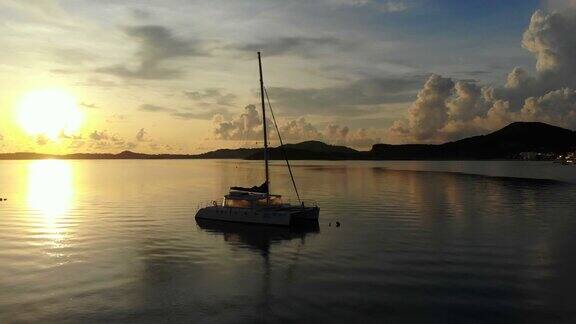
267,216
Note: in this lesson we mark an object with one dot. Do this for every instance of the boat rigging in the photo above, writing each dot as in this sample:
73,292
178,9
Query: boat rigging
256,204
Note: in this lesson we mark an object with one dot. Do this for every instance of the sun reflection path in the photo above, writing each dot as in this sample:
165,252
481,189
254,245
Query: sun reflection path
50,193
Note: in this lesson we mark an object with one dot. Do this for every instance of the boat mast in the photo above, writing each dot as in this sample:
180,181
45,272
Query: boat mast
264,127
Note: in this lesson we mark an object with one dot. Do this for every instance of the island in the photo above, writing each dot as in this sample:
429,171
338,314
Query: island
518,140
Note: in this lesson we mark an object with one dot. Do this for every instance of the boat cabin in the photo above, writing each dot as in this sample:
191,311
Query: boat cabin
245,199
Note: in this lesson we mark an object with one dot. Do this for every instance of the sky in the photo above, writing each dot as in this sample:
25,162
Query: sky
178,76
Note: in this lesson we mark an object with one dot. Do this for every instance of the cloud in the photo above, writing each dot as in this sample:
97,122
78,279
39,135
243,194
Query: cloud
551,38
102,141
154,108
247,126
556,107
157,45
381,6
116,118
184,113
447,109
91,82
214,95
118,145
76,144
430,112
199,114
63,135
357,97
64,71
99,136
299,130
302,46
141,135
72,56
342,135
42,140
88,105
335,131
97,140
468,101
141,14
47,11
362,138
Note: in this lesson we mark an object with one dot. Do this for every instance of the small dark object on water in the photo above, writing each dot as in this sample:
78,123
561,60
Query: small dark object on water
337,224
329,224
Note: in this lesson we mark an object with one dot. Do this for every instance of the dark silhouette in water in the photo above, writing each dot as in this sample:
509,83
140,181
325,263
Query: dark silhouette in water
259,237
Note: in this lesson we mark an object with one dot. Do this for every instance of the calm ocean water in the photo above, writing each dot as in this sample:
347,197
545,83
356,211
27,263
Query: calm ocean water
424,242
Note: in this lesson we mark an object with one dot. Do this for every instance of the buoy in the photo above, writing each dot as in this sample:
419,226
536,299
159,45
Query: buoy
337,224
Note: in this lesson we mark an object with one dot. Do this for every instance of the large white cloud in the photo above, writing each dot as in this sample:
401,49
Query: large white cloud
551,37
446,109
248,126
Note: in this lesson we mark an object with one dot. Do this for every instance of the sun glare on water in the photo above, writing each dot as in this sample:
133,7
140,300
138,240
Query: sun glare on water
50,198
49,112
50,187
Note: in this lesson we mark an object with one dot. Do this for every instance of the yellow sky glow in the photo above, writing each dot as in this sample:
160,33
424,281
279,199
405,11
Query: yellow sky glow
49,112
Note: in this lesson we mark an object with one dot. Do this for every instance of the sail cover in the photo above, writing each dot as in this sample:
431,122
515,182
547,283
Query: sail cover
263,188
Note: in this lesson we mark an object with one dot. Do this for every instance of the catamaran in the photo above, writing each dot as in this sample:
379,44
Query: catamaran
256,204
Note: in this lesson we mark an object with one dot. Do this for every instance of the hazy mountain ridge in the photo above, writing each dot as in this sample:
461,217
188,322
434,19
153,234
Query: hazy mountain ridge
309,150
505,143
125,155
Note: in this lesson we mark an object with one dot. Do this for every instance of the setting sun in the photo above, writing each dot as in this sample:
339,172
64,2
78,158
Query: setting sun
49,112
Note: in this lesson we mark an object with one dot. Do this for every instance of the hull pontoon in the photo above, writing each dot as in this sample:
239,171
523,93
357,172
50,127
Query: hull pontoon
257,208
268,216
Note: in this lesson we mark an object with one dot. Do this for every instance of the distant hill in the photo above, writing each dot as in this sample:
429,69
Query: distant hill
125,155
241,153
506,143
513,139
321,147
309,150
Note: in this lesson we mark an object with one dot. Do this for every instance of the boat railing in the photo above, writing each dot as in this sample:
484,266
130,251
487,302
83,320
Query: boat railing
204,204
302,202
309,203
